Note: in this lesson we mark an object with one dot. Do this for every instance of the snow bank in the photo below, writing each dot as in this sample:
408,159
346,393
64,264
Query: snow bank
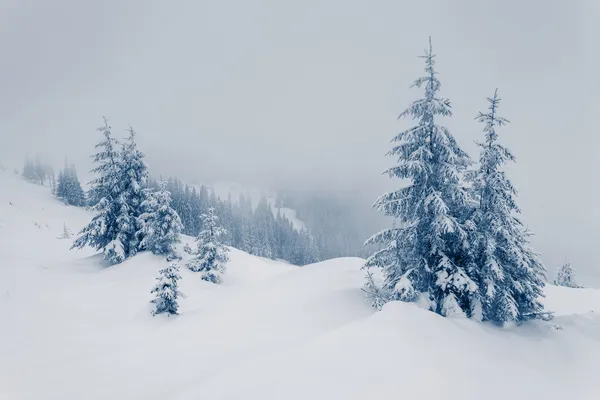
73,328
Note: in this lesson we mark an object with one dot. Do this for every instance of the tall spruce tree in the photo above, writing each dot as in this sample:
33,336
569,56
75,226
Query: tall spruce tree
104,231
511,275
211,255
133,179
427,257
160,224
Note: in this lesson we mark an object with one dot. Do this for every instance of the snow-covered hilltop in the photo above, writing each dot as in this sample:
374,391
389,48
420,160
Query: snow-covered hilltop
74,328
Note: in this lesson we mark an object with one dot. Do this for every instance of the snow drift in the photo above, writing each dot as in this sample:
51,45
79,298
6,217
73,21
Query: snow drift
73,328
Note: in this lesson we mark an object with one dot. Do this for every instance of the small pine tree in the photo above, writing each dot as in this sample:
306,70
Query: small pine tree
566,276
66,234
167,291
211,256
160,224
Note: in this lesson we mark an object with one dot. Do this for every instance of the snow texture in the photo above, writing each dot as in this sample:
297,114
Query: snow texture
76,328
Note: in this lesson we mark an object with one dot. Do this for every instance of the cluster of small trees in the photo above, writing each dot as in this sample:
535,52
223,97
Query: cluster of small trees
209,259
256,230
136,213
68,187
36,171
130,216
459,247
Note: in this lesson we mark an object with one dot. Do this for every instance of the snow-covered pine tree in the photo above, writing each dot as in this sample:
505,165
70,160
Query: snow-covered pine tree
511,275
61,185
69,188
427,257
211,255
167,291
263,221
76,195
104,231
566,276
160,224
311,250
133,178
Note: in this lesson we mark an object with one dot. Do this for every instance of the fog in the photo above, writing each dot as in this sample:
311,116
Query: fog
305,94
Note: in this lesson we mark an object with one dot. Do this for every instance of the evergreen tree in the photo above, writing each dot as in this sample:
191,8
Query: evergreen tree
104,231
195,209
61,185
310,249
211,255
160,224
69,188
263,222
511,275
133,178
428,256
566,276
167,291
66,234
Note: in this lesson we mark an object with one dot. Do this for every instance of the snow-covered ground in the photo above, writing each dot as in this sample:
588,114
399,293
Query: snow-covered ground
72,328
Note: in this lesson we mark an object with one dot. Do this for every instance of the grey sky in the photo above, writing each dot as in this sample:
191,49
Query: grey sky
307,92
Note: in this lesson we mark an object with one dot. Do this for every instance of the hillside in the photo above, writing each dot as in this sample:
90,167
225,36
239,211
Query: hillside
73,328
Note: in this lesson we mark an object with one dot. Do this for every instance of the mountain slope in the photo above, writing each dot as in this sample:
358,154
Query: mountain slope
74,328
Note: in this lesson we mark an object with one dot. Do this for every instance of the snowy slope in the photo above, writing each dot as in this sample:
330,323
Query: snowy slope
73,328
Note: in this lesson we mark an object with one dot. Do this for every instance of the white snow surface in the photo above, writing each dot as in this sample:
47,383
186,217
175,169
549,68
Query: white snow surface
73,328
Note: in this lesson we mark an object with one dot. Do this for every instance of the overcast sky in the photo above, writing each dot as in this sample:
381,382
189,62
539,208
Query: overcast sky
306,93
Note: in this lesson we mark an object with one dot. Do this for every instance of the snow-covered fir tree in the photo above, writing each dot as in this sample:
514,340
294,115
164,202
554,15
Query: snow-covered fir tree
160,224
133,179
211,254
427,257
104,231
566,276
311,250
166,291
118,193
263,234
68,187
511,275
